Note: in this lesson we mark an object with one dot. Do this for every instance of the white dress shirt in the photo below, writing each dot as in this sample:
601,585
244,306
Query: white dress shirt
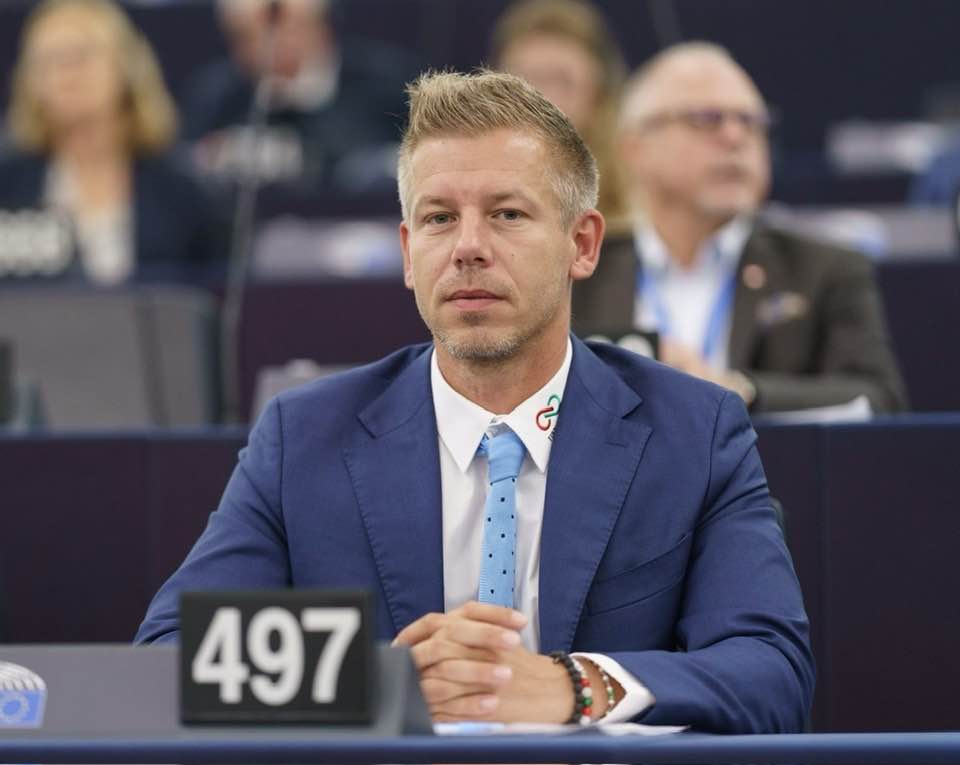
688,296
461,425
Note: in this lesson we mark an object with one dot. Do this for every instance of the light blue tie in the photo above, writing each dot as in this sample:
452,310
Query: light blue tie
504,456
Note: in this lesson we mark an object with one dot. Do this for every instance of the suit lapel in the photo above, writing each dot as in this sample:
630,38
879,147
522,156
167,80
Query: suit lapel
594,457
395,469
753,285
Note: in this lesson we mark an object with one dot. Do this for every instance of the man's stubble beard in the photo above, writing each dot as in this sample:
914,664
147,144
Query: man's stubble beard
493,348
490,350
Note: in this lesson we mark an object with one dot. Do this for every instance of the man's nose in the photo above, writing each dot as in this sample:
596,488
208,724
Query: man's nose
734,131
472,247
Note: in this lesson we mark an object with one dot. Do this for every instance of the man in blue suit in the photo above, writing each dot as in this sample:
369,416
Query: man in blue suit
508,492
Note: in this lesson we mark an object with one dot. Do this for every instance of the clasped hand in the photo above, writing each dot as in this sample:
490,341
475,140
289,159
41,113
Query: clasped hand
473,667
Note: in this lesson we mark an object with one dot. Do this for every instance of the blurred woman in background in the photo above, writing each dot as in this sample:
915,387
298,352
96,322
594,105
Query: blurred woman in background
90,121
565,50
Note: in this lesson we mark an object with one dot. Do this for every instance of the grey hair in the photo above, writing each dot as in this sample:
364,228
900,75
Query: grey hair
636,103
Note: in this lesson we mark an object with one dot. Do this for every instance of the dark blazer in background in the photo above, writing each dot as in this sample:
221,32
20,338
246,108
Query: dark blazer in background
811,334
339,138
178,225
659,545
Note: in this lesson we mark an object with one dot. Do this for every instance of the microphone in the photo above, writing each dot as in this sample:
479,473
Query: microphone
665,22
6,382
242,235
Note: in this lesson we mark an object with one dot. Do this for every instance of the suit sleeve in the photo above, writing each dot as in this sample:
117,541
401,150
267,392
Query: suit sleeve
854,356
244,545
743,662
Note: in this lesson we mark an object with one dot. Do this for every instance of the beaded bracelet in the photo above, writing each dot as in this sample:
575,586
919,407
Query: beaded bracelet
608,687
582,692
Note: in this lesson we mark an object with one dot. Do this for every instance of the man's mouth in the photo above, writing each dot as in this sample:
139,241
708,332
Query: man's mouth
731,173
472,300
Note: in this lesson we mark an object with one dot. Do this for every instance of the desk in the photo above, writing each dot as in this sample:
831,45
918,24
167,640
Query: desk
94,523
682,749
872,524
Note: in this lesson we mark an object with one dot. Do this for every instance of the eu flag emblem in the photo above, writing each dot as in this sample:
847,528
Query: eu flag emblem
23,695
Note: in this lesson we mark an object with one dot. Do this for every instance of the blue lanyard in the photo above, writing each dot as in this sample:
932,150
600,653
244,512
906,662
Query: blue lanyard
649,290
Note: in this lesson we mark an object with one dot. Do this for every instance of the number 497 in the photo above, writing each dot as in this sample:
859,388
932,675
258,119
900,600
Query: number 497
219,657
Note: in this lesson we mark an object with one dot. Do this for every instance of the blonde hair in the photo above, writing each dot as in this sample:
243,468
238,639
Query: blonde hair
583,25
151,115
449,103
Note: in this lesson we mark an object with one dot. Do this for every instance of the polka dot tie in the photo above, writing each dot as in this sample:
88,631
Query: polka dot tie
504,454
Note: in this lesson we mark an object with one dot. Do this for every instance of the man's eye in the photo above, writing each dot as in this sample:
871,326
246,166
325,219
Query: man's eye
510,214
438,219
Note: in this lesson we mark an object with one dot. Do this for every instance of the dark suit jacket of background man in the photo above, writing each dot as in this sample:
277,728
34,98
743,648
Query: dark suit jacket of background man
812,335
659,546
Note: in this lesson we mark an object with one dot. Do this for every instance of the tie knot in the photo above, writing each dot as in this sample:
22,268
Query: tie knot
504,455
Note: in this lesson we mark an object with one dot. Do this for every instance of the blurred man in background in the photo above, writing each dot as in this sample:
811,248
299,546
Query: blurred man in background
333,113
785,322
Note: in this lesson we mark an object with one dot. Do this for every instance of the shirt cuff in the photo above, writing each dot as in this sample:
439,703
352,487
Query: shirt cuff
636,696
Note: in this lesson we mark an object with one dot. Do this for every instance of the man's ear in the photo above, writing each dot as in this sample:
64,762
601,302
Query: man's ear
587,237
405,249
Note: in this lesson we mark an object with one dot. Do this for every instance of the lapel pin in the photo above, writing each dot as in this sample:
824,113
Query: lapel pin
754,276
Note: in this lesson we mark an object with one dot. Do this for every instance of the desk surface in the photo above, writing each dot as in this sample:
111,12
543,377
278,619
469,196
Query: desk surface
246,746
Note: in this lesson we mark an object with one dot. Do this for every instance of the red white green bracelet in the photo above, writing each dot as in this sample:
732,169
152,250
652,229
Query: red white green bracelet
608,687
582,692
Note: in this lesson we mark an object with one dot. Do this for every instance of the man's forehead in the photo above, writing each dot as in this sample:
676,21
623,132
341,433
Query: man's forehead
479,159
483,148
703,79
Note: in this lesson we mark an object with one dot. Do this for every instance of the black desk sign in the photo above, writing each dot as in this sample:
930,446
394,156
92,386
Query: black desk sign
278,657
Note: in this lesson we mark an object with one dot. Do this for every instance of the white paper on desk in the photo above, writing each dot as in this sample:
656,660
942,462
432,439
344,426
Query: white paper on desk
858,410
639,729
512,729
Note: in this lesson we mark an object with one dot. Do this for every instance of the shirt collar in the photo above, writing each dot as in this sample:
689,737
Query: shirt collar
462,424
725,246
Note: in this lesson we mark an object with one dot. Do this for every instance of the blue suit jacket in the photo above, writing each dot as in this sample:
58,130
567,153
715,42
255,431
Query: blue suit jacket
659,545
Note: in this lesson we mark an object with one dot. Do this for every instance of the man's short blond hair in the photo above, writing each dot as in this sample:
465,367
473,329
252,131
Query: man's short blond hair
454,104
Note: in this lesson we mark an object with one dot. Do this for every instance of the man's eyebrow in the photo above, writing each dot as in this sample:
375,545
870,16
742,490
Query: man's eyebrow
431,201
437,200
506,196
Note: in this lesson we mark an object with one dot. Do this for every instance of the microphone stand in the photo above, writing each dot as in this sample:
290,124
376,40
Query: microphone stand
665,22
241,240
